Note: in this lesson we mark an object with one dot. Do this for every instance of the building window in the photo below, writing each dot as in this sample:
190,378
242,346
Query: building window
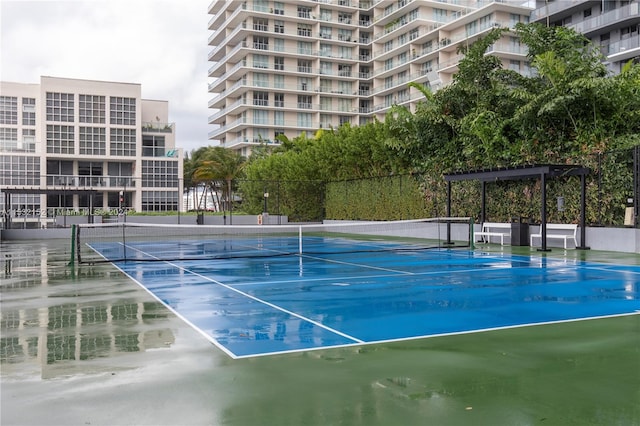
122,142
60,107
304,30
93,141
159,201
344,105
261,98
278,8
120,174
344,18
260,24
344,86
260,79
91,109
344,70
29,135
325,32
261,42
260,61
278,63
403,95
278,27
326,50
304,101
388,64
304,65
326,68
90,173
305,48
304,12
8,110
278,118
345,52
388,82
388,100
304,119
19,170
153,146
325,85
325,121
278,99
278,45
278,81
159,174
60,139
439,15
28,111
7,134
344,35
123,111
260,116
325,14
325,103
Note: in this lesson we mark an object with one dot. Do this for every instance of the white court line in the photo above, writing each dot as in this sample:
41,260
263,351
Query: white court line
347,278
452,333
250,297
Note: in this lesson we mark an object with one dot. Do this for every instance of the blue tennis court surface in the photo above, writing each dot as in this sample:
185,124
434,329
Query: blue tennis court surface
259,306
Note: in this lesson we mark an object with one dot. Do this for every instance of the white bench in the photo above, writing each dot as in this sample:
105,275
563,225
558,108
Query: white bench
490,229
556,228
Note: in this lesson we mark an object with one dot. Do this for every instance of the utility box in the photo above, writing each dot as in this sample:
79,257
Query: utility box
519,232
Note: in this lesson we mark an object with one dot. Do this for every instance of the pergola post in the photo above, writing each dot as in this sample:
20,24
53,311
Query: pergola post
543,213
449,213
583,213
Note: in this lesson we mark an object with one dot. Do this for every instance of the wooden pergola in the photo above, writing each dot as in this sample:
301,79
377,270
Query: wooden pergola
538,171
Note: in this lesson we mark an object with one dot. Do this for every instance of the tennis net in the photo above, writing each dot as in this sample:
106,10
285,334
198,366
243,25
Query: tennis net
117,242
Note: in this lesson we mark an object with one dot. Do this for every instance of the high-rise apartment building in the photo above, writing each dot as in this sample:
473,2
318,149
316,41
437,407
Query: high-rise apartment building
69,145
288,67
612,24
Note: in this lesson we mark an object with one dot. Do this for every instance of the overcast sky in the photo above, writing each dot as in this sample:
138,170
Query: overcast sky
160,44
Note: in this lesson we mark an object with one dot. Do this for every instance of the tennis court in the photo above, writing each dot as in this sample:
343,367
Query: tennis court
86,345
268,298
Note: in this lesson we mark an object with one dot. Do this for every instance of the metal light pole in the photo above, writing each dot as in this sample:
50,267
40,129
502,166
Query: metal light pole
265,214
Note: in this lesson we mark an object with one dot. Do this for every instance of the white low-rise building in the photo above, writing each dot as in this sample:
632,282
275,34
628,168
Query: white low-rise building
70,146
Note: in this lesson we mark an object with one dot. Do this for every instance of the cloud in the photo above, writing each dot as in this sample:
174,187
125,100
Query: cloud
161,44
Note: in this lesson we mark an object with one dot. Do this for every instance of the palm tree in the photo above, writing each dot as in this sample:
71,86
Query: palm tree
218,168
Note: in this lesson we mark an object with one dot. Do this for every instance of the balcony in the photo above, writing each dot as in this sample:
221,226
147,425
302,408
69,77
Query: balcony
90,182
156,127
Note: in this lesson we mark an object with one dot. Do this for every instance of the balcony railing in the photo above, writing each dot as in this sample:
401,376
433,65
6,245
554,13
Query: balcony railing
157,127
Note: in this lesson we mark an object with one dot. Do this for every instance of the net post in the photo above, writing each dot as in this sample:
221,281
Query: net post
300,240
124,243
73,244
